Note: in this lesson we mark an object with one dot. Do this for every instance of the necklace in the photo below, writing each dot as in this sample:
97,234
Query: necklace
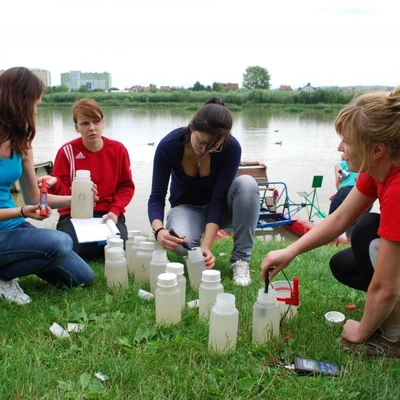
198,159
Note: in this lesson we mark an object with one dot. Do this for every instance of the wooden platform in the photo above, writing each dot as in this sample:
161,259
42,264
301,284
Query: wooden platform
255,169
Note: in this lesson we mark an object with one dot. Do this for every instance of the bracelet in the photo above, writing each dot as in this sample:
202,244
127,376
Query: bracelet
22,211
158,231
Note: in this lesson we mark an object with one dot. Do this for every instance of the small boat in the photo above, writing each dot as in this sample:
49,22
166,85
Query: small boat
41,168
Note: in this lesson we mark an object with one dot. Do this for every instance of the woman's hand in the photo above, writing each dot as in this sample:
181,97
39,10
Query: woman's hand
351,332
274,262
33,212
50,180
209,259
169,241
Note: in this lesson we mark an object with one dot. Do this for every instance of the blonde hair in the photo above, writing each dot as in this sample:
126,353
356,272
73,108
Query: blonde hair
372,118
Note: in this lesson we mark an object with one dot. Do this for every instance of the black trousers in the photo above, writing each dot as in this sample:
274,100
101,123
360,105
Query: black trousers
94,250
353,266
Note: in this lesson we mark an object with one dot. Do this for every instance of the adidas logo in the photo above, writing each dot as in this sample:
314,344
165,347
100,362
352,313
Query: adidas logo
79,156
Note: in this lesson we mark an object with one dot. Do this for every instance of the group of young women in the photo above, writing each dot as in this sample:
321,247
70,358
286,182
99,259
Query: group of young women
198,165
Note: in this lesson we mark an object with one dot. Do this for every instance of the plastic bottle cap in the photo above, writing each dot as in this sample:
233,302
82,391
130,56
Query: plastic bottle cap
211,275
133,233
82,174
115,253
225,300
115,242
167,279
146,246
334,318
174,267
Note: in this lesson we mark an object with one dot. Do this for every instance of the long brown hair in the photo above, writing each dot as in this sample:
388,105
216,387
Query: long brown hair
20,89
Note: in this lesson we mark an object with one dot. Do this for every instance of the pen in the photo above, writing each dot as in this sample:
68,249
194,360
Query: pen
184,244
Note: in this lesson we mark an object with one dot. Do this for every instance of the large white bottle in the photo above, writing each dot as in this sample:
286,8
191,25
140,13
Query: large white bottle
157,266
143,258
82,195
266,317
115,270
224,321
178,269
111,243
168,300
134,248
195,266
209,287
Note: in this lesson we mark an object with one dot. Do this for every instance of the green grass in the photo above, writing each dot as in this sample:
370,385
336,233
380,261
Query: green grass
145,361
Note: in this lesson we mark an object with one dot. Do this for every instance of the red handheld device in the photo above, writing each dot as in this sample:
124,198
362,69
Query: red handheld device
43,198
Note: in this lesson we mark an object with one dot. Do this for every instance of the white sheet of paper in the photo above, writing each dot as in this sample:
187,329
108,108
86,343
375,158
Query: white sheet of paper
93,230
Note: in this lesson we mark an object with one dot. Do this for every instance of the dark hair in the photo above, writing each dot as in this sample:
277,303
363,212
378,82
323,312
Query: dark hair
212,118
88,108
20,89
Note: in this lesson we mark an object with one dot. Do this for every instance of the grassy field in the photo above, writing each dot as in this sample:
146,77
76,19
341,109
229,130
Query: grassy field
145,361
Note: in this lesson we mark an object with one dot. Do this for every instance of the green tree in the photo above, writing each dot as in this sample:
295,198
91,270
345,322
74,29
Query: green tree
198,86
256,78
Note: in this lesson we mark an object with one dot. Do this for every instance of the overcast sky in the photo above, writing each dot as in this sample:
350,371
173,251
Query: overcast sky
179,42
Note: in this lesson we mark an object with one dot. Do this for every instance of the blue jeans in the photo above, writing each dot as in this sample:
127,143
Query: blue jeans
47,253
243,208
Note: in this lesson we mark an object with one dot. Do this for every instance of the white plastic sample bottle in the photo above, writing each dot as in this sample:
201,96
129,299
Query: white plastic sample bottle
209,287
266,317
111,243
82,195
134,248
129,244
151,238
224,321
157,266
168,300
115,270
195,266
178,269
143,258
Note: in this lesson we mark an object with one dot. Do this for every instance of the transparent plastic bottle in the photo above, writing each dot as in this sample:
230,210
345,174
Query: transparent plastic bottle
178,269
143,258
157,266
168,300
195,266
224,321
129,244
266,317
82,195
115,270
209,288
134,248
111,243
152,238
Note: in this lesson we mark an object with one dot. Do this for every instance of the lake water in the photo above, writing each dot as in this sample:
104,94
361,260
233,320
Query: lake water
308,147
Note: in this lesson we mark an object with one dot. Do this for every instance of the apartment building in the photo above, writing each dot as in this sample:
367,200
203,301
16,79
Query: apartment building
91,80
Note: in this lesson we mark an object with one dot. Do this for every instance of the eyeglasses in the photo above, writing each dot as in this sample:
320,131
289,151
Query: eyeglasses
204,144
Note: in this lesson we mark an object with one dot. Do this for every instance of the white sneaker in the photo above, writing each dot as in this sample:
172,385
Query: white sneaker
11,291
241,273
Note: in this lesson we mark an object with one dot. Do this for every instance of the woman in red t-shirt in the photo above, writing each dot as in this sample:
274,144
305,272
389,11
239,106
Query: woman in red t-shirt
369,128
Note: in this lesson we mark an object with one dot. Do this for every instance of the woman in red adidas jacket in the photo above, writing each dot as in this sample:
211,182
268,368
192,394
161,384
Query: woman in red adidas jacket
110,169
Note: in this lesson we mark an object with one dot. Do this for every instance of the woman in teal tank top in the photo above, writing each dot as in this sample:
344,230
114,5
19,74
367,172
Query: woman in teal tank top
25,249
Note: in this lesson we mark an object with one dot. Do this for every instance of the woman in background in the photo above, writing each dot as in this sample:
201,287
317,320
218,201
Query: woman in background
24,249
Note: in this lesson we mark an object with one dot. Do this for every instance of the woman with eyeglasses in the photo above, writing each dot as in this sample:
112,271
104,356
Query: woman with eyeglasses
202,160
